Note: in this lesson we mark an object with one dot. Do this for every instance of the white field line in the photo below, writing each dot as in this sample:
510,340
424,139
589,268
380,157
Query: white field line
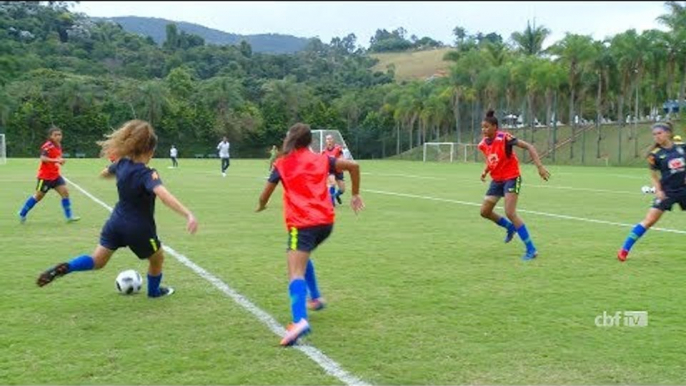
330,366
553,215
526,185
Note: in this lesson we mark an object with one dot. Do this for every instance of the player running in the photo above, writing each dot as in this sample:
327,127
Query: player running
132,223
309,216
49,176
335,151
667,163
223,148
503,165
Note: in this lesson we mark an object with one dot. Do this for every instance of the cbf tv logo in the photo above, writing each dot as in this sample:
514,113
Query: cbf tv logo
626,319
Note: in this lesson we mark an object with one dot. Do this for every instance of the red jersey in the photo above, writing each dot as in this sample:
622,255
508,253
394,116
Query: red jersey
306,199
335,152
49,170
501,159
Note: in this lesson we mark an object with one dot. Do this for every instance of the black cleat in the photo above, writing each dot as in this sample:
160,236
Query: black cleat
338,198
50,275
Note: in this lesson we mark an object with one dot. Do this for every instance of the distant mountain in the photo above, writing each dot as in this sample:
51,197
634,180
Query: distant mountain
156,28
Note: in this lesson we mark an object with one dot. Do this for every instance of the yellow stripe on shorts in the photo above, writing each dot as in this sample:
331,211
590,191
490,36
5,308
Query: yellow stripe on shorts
294,238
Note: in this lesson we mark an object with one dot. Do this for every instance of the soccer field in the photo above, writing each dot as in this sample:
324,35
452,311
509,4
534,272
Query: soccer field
420,289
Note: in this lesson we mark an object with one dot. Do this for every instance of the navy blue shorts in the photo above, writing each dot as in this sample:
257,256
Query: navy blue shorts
307,239
668,202
45,185
141,239
339,176
499,188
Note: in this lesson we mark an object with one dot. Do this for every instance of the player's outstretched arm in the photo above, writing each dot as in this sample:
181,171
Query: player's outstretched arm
655,176
264,197
170,201
353,168
542,171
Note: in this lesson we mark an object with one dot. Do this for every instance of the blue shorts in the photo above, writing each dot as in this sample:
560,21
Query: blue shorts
499,188
307,239
668,202
45,185
339,176
141,238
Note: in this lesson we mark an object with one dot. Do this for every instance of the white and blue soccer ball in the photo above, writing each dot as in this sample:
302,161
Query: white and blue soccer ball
129,282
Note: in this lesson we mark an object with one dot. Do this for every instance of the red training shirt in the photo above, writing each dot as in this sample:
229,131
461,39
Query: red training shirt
501,159
335,152
306,199
49,170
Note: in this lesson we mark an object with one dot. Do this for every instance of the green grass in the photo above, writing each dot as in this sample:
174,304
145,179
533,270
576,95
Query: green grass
413,64
420,291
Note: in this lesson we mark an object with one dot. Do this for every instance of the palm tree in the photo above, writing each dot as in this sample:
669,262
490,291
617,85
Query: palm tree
575,52
530,41
676,21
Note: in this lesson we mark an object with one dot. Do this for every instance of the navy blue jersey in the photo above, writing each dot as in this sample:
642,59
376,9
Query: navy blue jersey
135,184
671,163
275,177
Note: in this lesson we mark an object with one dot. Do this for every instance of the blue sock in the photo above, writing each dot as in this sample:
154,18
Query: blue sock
332,192
66,205
81,263
524,235
154,285
298,292
635,234
311,280
30,203
505,223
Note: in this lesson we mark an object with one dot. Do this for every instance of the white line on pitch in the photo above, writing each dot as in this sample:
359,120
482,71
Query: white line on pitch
330,366
560,216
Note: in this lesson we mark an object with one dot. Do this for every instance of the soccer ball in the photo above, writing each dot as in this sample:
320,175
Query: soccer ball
652,189
128,282
645,189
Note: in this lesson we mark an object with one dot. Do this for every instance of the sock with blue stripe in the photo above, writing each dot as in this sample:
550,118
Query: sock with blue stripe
505,223
30,203
66,205
298,292
636,233
81,263
311,280
524,235
154,285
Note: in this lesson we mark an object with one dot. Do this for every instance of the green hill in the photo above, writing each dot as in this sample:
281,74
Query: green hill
156,29
413,64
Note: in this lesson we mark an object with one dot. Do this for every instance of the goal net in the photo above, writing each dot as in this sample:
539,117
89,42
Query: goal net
319,141
450,152
3,150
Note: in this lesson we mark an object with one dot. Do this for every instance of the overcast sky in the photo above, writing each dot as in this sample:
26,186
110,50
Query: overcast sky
433,19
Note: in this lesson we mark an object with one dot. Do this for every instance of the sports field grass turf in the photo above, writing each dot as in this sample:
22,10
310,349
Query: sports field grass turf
420,289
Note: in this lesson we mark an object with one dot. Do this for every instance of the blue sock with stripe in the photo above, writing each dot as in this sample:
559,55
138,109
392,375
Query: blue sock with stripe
66,205
311,280
81,263
636,233
505,223
298,293
28,205
154,285
524,235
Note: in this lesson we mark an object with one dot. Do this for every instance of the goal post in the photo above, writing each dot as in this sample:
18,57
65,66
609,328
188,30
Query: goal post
449,152
3,150
319,140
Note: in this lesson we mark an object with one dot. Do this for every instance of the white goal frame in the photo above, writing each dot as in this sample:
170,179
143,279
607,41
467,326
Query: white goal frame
3,149
319,140
457,150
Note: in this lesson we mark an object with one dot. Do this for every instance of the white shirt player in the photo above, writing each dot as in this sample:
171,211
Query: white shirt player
223,148
173,152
